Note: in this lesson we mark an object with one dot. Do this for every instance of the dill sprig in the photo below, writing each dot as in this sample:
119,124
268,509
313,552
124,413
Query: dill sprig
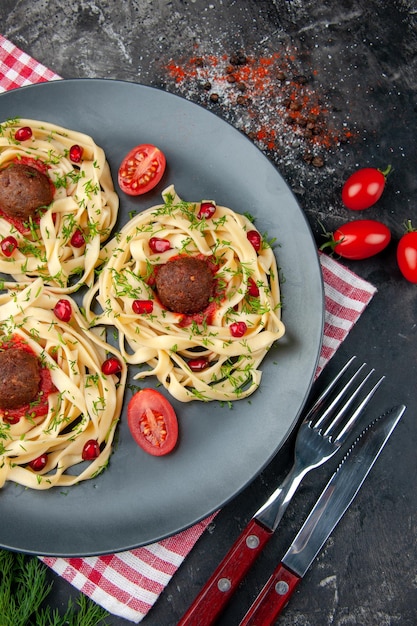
23,590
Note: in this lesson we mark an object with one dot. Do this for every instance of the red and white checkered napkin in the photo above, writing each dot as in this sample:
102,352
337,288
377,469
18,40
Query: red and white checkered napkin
18,69
128,584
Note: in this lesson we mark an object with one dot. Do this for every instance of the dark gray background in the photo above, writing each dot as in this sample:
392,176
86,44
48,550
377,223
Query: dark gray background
360,61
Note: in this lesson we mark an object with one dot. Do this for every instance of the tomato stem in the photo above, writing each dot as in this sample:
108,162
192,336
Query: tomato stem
409,227
331,241
387,171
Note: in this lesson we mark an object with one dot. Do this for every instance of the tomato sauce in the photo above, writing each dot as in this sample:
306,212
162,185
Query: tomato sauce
203,317
18,223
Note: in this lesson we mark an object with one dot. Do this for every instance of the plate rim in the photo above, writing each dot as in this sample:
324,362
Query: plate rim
320,329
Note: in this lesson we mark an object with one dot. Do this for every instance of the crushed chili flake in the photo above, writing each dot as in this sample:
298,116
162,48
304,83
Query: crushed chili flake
266,97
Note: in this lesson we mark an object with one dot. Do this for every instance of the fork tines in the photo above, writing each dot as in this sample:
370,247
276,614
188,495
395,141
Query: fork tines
338,398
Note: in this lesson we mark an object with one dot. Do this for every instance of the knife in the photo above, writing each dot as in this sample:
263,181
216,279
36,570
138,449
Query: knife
225,580
330,507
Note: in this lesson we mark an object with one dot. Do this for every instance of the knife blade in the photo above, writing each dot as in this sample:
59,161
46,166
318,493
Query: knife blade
325,515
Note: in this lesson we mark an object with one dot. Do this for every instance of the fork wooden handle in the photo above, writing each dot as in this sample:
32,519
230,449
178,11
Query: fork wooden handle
224,581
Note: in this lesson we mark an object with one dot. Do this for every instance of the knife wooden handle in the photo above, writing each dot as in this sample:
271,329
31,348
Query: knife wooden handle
224,581
272,599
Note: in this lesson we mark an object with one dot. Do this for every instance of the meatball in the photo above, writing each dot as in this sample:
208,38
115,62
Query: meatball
184,285
23,190
20,378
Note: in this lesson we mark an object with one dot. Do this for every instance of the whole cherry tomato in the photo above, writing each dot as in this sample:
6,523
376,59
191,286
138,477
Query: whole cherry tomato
152,422
364,188
141,169
359,239
407,254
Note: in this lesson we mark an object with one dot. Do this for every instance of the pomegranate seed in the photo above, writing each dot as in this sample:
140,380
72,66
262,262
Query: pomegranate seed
24,133
238,329
253,289
39,463
77,240
198,365
207,210
255,239
8,245
112,365
76,153
142,306
91,450
63,310
159,245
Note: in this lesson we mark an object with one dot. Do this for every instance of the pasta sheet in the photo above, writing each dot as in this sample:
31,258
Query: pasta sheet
84,200
85,405
162,343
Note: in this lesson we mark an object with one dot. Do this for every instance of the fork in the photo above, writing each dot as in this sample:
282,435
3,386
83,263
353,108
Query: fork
323,430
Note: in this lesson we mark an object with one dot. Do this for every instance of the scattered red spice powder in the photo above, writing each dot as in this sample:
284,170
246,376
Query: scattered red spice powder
264,97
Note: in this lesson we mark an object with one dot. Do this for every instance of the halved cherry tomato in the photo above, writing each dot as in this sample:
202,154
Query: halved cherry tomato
152,422
407,254
141,169
359,239
364,188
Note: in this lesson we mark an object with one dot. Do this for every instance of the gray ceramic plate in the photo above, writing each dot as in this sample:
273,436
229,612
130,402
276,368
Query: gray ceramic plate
140,499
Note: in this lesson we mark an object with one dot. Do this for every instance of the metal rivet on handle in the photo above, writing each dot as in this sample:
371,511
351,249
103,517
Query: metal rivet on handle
252,541
281,587
224,584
